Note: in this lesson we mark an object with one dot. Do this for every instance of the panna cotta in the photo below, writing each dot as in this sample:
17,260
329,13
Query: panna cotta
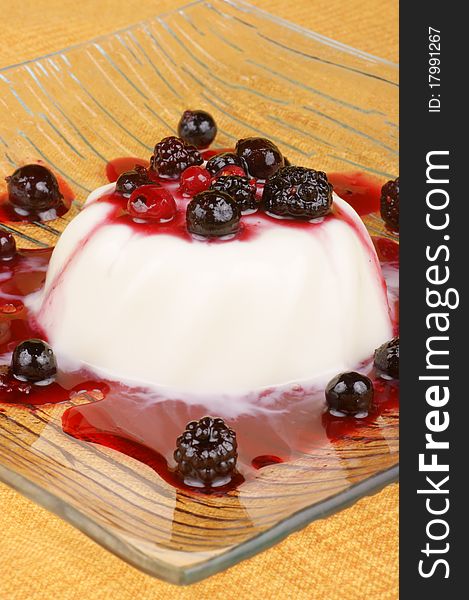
283,301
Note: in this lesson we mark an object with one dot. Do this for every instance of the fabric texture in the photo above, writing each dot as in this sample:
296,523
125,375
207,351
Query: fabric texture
352,555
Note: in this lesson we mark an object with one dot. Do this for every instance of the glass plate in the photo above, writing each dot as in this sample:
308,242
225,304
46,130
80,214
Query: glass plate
327,106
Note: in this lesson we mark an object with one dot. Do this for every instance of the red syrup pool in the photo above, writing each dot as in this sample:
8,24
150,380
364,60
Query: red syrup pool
20,277
9,214
361,191
278,427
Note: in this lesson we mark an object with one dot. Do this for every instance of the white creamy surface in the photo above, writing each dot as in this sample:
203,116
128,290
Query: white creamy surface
287,305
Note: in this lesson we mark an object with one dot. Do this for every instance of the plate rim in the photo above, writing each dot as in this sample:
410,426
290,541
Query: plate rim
240,5
180,575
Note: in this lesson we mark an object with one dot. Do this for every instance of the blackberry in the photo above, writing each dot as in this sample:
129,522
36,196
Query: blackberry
212,214
33,188
171,156
7,246
298,192
197,128
389,204
261,156
206,452
387,358
131,180
220,161
349,394
34,361
239,188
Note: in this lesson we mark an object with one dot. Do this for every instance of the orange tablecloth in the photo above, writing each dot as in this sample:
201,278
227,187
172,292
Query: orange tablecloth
350,556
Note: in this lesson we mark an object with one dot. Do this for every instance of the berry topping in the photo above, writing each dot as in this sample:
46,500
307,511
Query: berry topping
298,192
152,202
261,156
212,214
34,361
33,188
219,162
131,180
232,170
206,452
172,156
390,204
387,358
197,128
239,188
7,246
195,180
349,394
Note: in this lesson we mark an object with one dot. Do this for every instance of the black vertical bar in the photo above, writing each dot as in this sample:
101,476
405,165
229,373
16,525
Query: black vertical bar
434,191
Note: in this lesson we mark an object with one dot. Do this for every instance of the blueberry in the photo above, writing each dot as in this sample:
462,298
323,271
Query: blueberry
349,394
197,128
261,156
7,246
34,361
34,188
131,180
220,161
212,214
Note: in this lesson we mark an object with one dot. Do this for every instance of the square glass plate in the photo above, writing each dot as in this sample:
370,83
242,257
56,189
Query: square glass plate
327,106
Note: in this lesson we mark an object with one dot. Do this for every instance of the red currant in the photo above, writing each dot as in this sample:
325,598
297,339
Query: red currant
232,170
152,202
195,180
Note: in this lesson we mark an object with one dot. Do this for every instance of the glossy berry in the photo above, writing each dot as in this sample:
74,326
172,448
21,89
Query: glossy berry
7,246
195,180
153,203
131,180
172,156
261,156
212,214
34,361
387,358
220,162
197,128
349,394
389,204
206,452
298,192
232,170
239,188
33,188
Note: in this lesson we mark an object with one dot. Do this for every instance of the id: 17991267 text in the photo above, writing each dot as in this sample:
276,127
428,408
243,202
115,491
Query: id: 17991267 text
434,69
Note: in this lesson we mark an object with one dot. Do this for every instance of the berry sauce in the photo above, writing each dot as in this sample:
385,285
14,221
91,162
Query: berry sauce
9,214
117,166
20,277
361,191
280,424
